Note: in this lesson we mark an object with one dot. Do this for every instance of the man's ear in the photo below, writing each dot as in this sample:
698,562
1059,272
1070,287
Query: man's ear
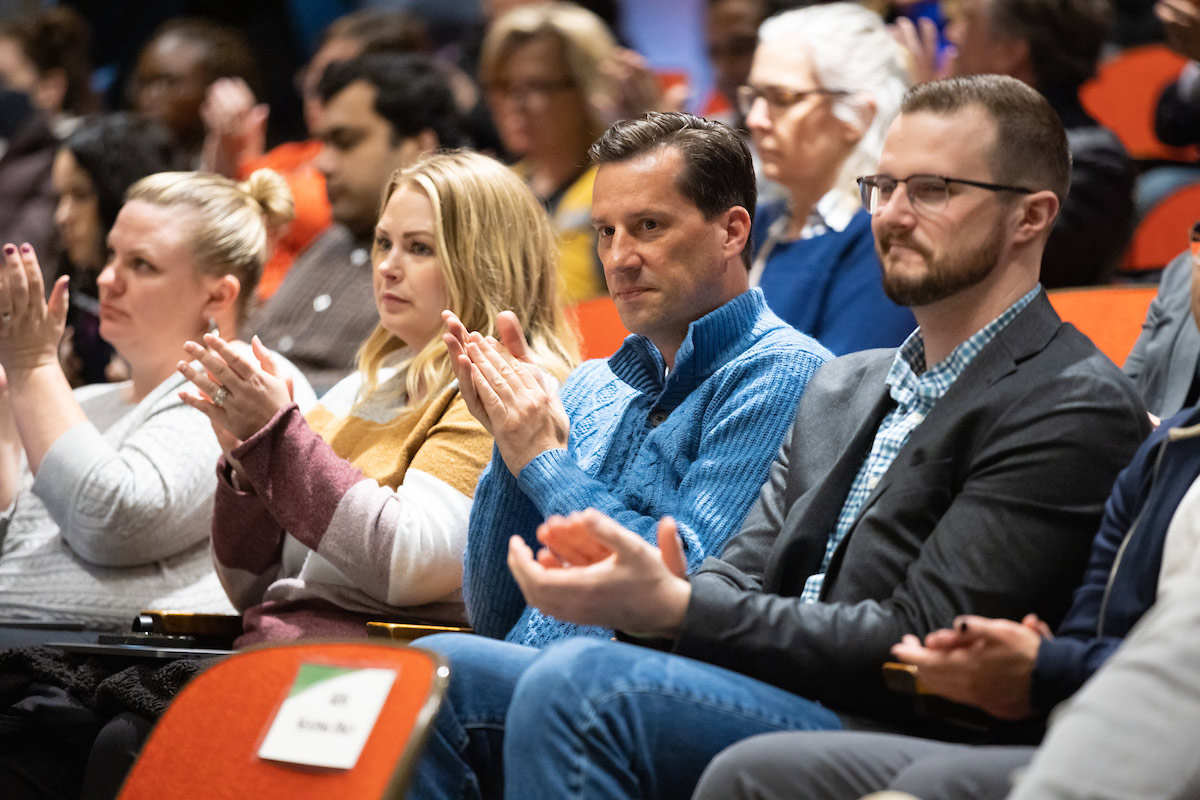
737,231
1037,212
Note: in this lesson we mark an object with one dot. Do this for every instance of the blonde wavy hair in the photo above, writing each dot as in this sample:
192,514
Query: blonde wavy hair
233,222
587,45
496,251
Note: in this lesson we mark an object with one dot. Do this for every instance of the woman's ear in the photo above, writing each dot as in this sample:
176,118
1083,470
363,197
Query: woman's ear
222,295
856,113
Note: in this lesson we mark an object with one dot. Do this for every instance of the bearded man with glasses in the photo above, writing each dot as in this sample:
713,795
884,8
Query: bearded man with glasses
965,473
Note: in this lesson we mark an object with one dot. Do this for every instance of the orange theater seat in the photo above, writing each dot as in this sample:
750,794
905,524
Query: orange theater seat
599,326
1123,94
1111,316
206,743
1163,232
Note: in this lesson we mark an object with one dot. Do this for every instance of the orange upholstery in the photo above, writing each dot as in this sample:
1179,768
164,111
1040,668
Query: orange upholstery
206,743
1111,316
1124,92
599,326
1164,232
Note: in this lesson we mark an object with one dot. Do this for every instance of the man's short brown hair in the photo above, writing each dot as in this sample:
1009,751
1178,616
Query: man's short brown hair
1031,146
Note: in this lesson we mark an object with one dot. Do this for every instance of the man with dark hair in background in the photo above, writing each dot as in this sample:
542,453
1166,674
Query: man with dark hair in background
380,112
1053,45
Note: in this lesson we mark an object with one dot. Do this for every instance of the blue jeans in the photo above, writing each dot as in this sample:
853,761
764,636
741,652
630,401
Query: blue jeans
589,718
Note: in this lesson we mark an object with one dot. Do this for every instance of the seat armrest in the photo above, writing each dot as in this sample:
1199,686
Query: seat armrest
408,631
179,623
906,679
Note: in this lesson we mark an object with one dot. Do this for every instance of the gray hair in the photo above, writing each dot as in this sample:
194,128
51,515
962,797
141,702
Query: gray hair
850,50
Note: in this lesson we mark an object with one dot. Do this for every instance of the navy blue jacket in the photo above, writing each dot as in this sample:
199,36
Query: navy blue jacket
1121,580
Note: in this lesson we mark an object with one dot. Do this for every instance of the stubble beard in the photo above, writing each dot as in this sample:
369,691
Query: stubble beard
943,276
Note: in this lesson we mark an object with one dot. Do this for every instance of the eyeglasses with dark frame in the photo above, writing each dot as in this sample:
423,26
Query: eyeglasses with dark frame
531,93
777,97
928,194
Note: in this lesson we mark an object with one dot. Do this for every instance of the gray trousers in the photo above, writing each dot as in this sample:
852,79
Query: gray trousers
843,765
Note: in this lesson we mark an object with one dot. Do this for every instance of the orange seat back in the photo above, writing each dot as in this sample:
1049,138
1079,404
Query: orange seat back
1165,230
1111,316
599,326
206,743
1124,92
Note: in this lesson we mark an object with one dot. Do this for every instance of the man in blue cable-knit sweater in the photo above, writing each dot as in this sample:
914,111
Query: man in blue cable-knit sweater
685,418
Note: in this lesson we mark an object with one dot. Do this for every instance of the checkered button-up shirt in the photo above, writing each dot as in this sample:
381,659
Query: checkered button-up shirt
916,390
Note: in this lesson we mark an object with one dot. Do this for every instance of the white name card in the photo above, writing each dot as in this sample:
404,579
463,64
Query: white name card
327,716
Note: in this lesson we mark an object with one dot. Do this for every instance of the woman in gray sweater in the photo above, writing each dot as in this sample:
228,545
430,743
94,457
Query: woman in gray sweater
108,489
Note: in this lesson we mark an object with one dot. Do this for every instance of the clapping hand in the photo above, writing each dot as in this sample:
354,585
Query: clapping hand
30,328
239,395
593,571
506,391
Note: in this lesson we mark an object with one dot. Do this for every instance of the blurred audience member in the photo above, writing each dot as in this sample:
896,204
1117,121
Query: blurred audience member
731,33
380,112
237,127
94,167
46,57
1165,361
27,148
175,69
1177,114
544,69
1053,45
818,118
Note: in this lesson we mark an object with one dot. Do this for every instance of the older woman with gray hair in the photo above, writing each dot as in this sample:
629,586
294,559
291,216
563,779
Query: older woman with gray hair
825,84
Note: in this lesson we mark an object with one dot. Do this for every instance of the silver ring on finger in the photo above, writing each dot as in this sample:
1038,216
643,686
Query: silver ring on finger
220,396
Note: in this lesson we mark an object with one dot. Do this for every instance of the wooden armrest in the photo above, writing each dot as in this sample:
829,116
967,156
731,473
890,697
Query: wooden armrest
903,679
906,679
407,631
179,623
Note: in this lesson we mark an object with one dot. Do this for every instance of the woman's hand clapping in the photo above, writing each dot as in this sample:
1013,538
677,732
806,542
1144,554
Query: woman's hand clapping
30,328
239,395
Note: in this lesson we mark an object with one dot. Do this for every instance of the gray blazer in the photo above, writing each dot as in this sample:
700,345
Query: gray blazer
990,509
1163,362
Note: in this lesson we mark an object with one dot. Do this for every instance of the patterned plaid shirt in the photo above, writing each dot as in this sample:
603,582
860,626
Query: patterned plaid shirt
916,390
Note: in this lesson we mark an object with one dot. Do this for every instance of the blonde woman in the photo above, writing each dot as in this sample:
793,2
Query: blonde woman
544,70
359,511
108,489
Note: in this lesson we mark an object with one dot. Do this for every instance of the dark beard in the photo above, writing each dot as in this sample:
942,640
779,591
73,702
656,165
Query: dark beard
942,278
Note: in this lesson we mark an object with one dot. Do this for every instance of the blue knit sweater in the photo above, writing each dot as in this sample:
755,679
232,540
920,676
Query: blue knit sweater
695,444
830,287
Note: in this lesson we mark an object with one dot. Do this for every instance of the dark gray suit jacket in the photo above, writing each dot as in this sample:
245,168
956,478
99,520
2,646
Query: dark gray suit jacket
990,509
1163,362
